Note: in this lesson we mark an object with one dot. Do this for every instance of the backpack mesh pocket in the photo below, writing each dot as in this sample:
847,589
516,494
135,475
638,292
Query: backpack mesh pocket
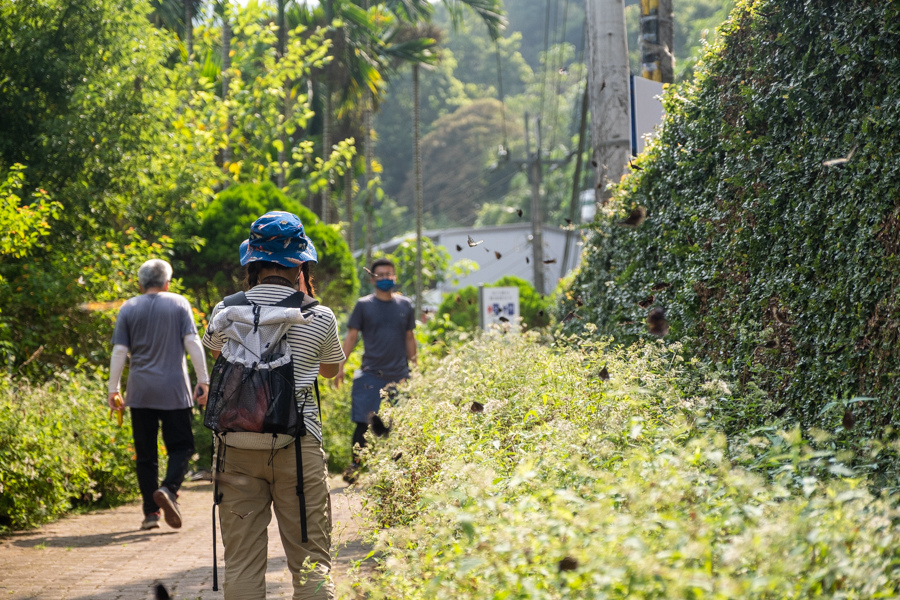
258,400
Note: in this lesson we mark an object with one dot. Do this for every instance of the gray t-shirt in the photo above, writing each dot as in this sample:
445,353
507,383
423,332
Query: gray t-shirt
383,325
153,327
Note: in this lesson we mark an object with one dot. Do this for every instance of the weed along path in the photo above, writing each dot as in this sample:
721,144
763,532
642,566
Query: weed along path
105,556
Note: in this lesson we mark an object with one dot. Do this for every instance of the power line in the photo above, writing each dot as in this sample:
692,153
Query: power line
561,31
500,89
546,59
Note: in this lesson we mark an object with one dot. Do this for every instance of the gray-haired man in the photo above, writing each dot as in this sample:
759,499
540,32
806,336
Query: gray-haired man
156,329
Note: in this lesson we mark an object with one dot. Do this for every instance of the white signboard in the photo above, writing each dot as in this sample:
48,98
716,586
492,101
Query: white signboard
646,111
498,305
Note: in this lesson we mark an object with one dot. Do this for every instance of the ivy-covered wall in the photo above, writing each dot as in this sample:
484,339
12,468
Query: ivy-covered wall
772,229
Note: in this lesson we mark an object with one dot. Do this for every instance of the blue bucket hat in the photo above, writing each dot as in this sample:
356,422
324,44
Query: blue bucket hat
278,237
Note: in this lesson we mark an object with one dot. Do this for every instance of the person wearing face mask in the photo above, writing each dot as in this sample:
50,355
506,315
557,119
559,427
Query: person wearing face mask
386,321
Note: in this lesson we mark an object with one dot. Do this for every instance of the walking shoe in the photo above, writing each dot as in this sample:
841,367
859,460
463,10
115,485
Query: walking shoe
150,521
351,473
165,499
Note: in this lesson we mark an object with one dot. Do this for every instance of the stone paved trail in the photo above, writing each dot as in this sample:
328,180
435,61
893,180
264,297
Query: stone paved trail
105,556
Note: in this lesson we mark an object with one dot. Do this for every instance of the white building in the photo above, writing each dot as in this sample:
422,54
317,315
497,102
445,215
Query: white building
504,250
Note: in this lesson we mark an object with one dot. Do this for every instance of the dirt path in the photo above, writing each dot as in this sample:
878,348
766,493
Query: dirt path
105,556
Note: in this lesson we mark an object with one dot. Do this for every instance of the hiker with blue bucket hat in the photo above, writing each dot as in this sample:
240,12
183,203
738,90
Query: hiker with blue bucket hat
257,472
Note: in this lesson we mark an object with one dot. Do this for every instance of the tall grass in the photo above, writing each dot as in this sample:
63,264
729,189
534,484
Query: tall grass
568,485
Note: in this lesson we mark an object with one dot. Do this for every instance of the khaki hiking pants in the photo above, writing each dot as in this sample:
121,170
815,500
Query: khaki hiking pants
253,482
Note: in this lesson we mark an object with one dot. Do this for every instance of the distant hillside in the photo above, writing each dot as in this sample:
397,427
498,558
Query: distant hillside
468,74
772,236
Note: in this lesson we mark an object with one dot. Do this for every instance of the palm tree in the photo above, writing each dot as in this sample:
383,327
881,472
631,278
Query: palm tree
491,14
177,16
366,49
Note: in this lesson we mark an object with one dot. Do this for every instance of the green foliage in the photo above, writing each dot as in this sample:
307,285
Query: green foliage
59,448
337,427
22,226
89,108
66,308
435,264
461,307
564,485
267,104
780,264
226,223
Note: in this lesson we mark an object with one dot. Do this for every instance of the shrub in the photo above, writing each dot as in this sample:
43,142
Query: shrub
461,306
59,449
592,471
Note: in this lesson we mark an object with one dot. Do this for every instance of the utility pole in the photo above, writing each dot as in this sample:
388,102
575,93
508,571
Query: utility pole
608,81
657,37
575,202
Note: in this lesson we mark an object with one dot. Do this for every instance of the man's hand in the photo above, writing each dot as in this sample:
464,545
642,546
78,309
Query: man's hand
201,393
114,399
339,378
116,405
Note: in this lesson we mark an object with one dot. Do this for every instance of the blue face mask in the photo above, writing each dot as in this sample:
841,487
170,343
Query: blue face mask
385,285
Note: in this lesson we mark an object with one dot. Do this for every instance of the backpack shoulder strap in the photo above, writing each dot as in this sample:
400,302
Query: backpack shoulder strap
239,299
297,300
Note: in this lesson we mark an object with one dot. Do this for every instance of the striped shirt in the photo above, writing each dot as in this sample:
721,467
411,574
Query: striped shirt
310,345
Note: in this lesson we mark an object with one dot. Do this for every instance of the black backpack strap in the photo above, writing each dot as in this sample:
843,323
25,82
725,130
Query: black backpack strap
218,467
301,496
318,401
239,299
297,300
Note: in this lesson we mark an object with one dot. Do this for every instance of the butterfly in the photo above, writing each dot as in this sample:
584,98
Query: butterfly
519,212
849,419
397,456
656,322
636,217
379,428
458,248
550,261
498,255
646,302
603,374
473,243
839,161
477,407
503,320
568,564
